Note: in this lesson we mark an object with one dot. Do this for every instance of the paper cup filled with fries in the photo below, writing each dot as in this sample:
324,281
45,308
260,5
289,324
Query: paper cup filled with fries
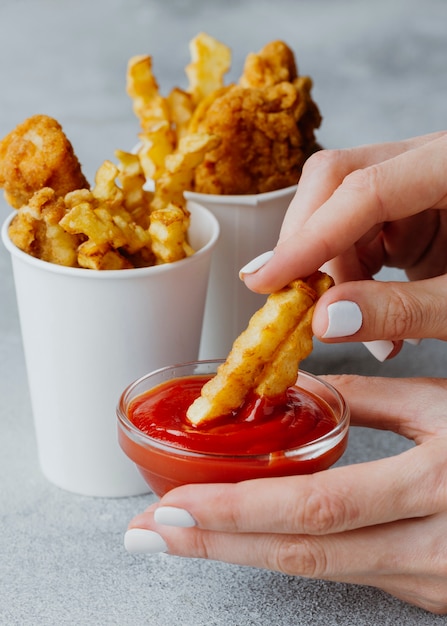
253,415
109,286
238,149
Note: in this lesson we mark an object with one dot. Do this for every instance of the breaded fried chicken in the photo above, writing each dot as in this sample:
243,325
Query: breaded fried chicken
274,64
266,125
37,154
266,135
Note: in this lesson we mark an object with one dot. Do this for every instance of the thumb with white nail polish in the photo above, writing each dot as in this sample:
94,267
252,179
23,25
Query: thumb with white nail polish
344,319
382,314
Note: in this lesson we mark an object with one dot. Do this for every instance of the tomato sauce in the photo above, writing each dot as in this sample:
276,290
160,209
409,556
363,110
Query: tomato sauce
262,439
260,426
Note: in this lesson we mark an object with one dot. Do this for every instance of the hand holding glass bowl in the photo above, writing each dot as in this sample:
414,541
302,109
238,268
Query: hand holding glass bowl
229,451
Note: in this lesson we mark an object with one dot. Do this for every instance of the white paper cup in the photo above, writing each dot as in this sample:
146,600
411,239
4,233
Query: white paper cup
249,225
86,335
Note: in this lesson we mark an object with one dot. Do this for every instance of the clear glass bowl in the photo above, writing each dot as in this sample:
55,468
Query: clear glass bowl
166,466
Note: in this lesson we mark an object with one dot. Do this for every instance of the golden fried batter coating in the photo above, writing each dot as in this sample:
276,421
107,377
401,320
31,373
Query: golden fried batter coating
266,124
37,154
266,136
274,64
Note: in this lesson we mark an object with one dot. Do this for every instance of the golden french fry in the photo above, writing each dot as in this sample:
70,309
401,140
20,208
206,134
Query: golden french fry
97,225
136,199
210,61
105,190
179,169
135,236
102,226
36,230
256,360
156,145
101,257
282,371
101,215
148,104
168,230
181,108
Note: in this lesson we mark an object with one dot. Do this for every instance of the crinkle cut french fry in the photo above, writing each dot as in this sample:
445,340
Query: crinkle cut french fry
265,357
210,61
168,232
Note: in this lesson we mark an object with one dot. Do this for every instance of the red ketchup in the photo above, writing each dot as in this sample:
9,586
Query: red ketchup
248,443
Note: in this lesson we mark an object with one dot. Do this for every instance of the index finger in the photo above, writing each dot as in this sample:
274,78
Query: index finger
325,170
332,501
313,233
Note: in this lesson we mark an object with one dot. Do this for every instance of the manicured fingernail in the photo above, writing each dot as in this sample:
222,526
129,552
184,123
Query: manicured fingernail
256,264
413,342
142,541
380,348
344,319
174,516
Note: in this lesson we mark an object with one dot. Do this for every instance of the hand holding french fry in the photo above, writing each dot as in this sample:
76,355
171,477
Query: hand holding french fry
265,357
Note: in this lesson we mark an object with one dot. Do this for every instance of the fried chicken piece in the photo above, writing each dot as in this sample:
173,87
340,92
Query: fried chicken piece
37,154
266,124
274,64
266,136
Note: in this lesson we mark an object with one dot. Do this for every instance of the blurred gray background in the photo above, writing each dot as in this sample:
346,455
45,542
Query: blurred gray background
379,68
380,74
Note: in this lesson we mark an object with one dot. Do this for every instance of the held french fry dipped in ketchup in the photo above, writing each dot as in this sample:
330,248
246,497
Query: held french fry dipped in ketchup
266,356
253,418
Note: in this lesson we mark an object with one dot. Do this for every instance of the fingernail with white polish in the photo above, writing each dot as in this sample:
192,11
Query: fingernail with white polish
174,516
380,349
256,264
142,541
344,319
413,342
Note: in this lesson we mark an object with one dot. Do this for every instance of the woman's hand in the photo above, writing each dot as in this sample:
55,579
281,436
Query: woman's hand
382,199
380,523
356,211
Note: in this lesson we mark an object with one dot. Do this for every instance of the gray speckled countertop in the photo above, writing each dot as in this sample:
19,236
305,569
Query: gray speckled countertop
380,73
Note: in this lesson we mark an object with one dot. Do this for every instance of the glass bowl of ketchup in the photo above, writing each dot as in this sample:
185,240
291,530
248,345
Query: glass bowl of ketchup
303,432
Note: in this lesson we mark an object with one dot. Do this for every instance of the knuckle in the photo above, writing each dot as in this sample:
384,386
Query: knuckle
201,544
297,556
323,161
364,179
402,316
325,512
195,545
365,182
232,502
